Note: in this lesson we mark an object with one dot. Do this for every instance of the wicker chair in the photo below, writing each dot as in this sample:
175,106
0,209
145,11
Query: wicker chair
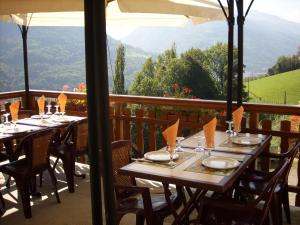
36,148
253,182
137,200
71,144
229,211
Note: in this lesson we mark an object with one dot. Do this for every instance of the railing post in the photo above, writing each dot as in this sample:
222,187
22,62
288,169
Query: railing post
285,125
139,113
266,126
152,132
253,121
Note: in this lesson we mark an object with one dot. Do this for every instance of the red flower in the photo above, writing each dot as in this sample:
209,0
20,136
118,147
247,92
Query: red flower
175,86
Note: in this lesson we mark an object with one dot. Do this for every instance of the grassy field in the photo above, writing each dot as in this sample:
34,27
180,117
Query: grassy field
277,89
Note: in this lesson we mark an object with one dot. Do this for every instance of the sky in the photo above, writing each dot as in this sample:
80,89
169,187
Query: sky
286,9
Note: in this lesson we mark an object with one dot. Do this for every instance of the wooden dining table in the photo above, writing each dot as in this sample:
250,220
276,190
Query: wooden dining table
190,173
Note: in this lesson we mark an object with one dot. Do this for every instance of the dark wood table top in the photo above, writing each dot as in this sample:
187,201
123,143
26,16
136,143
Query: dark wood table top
180,175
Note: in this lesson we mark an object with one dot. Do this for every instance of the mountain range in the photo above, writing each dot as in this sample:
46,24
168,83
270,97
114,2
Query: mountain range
56,57
56,54
266,37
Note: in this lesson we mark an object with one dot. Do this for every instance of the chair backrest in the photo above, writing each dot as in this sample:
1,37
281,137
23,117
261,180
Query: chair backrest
121,157
290,155
36,146
81,135
268,191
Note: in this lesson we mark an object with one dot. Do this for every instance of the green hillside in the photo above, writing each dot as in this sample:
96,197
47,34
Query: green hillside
272,89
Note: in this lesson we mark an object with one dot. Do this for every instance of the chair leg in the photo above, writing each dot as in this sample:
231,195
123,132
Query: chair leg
7,184
55,163
41,179
54,182
275,207
23,188
69,168
286,204
2,204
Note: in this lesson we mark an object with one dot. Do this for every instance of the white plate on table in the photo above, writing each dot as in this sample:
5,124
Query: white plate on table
218,162
160,156
39,117
61,120
246,140
15,130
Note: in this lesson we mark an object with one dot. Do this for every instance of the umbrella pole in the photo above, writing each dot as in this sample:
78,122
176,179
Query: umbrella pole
98,112
230,20
24,31
240,23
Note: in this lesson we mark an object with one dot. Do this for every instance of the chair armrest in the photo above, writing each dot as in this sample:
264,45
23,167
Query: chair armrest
136,152
274,155
144,191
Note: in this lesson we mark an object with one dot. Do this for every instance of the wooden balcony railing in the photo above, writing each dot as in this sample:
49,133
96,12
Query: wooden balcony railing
142,119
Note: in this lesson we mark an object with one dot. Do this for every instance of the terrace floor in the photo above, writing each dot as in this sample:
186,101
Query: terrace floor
75,208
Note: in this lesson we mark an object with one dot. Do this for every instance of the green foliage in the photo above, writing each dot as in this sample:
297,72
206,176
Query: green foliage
118,87
272,89
195,73
286,63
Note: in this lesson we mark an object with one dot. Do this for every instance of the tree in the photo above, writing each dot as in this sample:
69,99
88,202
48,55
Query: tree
216,61
286,63
118,86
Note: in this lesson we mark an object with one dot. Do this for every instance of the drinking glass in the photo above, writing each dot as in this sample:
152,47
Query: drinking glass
236,130
178,141
57,113
14,121
229,130
48,109
200,144
6,122
2,120
172,152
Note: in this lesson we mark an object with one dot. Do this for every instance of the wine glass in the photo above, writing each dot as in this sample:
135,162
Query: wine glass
14,118
200,144
57,113
229,131
172,152
48,109
236,129
6,122
207,150
178,141
2,120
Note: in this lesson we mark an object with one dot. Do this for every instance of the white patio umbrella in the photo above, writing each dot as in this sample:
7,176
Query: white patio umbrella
27,13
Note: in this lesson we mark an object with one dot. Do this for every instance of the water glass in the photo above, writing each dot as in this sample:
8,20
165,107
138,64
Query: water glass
57,113
178,141
49,110
172,152
200,144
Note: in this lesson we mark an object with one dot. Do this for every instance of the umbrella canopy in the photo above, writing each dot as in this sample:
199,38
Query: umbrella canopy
121,13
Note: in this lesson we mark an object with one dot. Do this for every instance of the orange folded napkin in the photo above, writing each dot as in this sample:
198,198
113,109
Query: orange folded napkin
170,134
209,132
41,104
62,100
237,116
14,109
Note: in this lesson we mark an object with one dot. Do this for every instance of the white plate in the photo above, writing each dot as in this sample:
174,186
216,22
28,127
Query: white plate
246,140
61,120
159,156
217,162
39,117
16,130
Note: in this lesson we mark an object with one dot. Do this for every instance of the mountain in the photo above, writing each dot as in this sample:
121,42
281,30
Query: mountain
56,57
266,37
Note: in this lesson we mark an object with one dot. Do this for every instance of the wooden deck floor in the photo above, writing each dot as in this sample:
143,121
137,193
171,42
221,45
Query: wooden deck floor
74,209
